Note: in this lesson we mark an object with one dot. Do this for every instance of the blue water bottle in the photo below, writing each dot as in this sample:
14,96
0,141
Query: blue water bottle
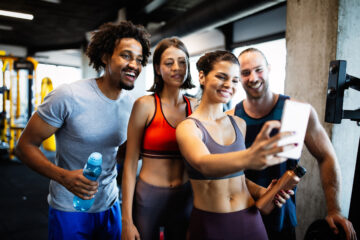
92,171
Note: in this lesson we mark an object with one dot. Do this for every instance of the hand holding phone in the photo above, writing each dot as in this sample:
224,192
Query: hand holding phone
295,118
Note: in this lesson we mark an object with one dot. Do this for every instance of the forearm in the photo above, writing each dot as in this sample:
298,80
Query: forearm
330,179
256,191
218,165
128,189
32,156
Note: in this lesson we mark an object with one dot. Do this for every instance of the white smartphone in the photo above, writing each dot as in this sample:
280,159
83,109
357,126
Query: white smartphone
295,118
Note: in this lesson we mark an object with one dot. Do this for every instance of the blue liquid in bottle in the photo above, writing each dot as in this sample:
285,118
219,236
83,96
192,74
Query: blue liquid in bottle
92,171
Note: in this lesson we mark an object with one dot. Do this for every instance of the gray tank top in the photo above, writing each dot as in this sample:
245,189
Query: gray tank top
214,147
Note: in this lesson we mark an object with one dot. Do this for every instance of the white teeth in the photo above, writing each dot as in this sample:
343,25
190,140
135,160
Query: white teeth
130,74
257,85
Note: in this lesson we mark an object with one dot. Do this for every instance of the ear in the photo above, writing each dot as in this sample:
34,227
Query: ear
104,58
157,69
201,77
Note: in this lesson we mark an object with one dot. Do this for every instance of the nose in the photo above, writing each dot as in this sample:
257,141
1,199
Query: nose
175,66
133,63
228,83
252,76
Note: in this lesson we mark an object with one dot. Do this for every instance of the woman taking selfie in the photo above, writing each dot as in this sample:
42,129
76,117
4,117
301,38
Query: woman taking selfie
212,144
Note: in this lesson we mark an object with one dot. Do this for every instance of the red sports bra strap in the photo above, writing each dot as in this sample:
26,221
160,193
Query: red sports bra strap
188,106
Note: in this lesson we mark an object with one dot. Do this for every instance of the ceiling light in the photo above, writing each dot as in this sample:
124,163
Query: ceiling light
52,1
17,15
7,28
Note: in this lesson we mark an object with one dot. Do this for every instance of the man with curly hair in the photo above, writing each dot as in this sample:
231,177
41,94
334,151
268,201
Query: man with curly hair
88,116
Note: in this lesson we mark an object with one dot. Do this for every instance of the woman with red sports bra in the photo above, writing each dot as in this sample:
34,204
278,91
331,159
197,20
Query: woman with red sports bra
213,146
161,196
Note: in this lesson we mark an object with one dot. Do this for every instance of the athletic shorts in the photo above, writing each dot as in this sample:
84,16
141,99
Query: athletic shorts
82,225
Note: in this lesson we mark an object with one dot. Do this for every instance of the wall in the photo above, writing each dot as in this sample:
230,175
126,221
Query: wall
346,135
16,51
313,40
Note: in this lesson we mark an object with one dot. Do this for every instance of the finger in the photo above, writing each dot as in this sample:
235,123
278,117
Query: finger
284,195
333,226
279,149
274,160
275,139
277,203
268,127
290,192
280,198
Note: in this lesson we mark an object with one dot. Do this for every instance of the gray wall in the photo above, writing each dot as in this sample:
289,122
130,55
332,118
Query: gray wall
318,32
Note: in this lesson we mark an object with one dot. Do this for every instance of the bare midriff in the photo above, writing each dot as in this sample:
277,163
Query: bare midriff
222,196
163,172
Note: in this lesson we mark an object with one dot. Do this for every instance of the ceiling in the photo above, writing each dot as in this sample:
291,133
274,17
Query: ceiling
63,24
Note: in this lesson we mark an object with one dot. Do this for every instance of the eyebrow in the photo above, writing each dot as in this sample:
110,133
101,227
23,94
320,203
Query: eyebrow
130,52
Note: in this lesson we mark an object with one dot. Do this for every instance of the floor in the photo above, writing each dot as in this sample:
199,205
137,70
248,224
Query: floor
23,204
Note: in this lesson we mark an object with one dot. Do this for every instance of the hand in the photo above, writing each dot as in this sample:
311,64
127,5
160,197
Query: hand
264,149
336,218
79,185
282,196
129,232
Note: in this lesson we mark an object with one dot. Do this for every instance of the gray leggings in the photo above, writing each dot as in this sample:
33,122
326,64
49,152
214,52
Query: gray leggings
157,207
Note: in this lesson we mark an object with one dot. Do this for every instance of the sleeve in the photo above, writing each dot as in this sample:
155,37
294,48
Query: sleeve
57,106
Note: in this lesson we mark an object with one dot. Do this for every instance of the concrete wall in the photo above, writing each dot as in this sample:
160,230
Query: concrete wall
346,135
313,40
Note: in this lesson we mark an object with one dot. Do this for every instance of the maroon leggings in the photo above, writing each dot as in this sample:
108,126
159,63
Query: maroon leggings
157,207
240,225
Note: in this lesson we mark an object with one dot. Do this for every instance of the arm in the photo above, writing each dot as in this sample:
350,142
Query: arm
258,156
319,145
137,123
27,149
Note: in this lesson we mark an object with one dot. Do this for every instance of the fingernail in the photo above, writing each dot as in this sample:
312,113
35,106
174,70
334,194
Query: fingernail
296,144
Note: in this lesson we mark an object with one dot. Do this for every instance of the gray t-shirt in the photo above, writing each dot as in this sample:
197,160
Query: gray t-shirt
87,122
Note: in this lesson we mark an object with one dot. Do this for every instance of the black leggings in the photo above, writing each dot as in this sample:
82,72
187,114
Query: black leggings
245,224
157,207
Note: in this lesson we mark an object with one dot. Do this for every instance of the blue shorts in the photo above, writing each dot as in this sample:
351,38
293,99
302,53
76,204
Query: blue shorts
82,225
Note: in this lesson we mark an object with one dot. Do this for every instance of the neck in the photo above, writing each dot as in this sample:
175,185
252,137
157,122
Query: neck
111,92
209,111
171,95
260,107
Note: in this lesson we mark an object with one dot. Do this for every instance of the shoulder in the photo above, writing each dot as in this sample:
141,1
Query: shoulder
145,104
241,124
146,100
188,127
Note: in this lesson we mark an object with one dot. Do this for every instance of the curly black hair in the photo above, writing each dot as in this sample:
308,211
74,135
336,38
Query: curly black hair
105,39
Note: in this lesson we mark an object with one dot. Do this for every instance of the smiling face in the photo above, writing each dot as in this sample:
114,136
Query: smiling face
221,83
124,66
254,74
173,67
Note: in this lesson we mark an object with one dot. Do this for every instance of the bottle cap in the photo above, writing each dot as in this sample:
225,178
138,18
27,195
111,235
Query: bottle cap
299,171
95,158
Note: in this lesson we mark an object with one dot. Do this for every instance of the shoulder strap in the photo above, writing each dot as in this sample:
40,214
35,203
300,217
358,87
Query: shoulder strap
188,106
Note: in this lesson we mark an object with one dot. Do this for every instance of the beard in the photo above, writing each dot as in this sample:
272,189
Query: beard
256,95
122,85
